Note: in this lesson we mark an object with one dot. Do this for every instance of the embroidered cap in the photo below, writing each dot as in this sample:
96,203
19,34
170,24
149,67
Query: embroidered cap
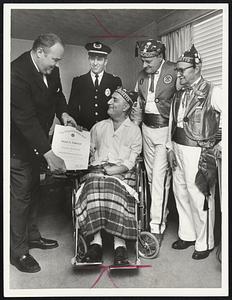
97,48
150,48
129,96
190,56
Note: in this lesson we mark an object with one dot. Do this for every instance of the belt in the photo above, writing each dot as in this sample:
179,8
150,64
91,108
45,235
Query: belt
180,137
154,120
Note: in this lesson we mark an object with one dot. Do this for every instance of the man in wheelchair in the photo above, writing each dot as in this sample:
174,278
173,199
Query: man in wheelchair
106,199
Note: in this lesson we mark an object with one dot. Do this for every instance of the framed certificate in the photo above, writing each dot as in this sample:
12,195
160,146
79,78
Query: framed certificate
72,146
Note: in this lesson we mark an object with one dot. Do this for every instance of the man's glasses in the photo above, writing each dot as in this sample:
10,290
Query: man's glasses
181,70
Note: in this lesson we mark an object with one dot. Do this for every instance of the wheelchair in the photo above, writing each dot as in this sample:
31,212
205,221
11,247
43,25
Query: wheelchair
146,245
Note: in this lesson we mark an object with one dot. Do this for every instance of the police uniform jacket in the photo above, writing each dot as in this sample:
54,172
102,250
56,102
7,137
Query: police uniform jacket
88,105
33,107
165,87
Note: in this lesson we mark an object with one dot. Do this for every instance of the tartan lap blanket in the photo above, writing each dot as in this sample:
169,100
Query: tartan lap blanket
105,203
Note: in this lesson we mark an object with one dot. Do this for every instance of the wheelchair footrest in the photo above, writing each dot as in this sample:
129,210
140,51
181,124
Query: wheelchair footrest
77,263
124,267
87,265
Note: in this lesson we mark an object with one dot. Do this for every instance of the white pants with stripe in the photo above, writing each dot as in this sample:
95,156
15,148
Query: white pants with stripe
195,224
155,157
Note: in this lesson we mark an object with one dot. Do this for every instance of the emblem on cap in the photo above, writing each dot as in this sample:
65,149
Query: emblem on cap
97,46
107,92
168,79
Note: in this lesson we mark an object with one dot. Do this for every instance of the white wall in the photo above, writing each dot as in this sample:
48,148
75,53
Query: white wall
123,62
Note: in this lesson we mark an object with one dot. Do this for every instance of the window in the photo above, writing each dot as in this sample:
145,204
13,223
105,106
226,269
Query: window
207,38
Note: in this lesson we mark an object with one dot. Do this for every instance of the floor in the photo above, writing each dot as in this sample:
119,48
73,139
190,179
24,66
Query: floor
171,269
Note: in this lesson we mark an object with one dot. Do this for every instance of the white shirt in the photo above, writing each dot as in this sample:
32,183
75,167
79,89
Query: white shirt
151,107
93,76
44,77
120,147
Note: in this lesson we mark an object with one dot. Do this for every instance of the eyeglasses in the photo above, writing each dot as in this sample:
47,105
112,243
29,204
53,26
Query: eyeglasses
181,70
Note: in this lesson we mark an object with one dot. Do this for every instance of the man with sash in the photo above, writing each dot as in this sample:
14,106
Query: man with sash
194,122
156,86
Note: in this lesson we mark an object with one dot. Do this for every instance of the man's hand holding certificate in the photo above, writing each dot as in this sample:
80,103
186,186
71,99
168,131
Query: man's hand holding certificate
72,146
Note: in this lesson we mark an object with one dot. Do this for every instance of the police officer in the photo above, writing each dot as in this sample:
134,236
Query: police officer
156,86
91,92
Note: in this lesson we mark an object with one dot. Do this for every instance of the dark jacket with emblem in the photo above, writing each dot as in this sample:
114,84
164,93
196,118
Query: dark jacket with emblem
201,121
165,88
86,105
33,107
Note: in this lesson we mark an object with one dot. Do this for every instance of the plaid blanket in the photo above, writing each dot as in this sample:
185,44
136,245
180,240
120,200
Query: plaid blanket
104,203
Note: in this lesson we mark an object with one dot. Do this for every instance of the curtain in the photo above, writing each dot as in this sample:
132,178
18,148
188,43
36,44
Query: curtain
177,42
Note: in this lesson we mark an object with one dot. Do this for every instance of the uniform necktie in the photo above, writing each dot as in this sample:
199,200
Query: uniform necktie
96,83
151,89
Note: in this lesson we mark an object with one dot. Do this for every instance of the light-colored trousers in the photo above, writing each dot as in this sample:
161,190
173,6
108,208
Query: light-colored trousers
195,224
155,158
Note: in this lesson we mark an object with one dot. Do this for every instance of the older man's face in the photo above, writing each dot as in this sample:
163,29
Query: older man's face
48,58
117,105
151,64
97,63
186,73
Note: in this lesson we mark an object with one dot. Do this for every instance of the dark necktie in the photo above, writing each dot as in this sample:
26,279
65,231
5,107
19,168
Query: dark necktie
43,76
96,83
151,89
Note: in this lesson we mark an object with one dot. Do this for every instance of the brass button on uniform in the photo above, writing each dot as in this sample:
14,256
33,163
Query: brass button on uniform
96,105
156,100
96,113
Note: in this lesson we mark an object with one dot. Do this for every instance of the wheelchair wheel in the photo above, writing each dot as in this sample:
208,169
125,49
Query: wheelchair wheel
148,245
81,247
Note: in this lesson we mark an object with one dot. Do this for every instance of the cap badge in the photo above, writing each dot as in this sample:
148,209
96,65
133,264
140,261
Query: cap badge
97,46
147,46
107,92
168,79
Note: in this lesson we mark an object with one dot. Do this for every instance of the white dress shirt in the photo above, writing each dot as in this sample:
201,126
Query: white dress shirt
120,147
151,107
44,77
93,76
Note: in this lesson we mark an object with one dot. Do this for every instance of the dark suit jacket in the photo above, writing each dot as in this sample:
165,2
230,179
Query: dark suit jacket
33,107
88,106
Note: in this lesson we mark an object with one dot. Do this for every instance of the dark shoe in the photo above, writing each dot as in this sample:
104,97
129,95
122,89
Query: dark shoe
159,237
201,254
121,257
43,243
26,263
181,244
94,254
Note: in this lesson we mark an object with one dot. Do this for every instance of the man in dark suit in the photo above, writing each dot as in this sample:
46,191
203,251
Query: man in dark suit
91,92
36,96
